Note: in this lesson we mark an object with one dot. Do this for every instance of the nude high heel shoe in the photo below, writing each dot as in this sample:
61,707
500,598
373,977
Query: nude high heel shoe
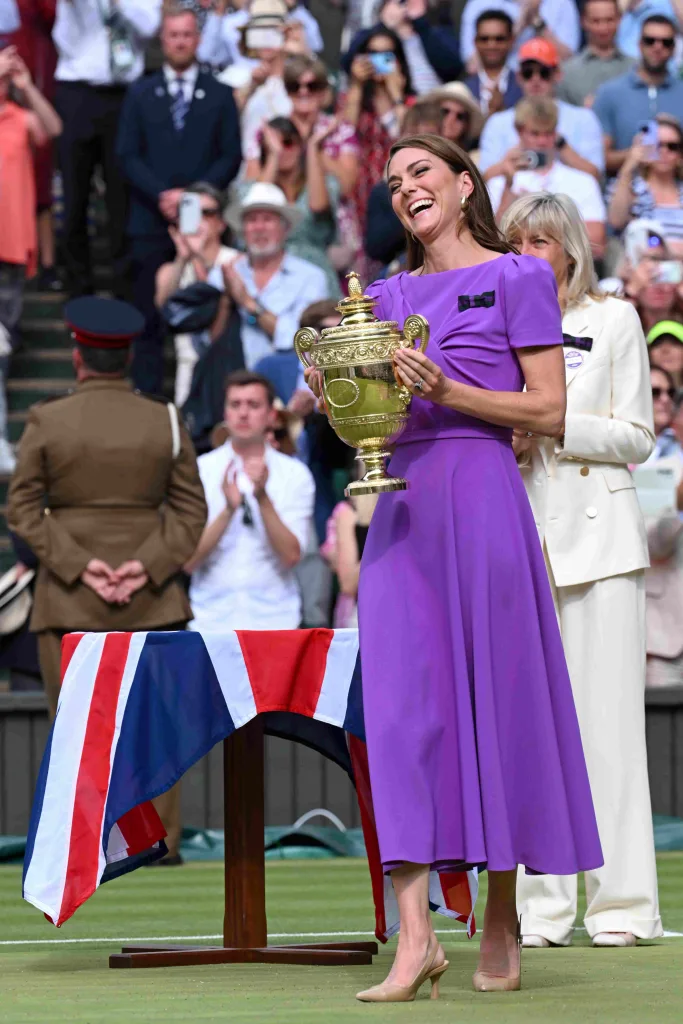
389,992
484,982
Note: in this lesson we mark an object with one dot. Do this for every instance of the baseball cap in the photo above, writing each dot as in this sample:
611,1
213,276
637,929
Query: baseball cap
540,50
671,328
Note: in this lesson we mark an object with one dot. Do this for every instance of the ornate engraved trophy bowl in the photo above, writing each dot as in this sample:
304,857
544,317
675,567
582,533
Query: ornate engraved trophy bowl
366,406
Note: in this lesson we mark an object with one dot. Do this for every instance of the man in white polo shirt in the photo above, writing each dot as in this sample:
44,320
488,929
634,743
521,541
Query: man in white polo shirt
260,517
534,167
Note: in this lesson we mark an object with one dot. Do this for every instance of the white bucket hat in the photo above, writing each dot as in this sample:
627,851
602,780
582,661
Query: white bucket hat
262,196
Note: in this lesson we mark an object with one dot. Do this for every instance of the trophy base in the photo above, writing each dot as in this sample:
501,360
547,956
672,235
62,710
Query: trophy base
382,486
376,479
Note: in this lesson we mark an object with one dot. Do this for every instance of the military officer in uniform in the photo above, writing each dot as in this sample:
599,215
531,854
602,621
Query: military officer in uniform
107,494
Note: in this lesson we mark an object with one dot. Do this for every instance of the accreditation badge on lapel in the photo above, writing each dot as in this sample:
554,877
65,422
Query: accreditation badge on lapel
576,351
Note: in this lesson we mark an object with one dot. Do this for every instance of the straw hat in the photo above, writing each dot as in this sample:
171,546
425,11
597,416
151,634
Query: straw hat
459,92
262,196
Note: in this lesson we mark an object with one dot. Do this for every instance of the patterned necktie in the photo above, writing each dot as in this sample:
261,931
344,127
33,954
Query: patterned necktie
179,105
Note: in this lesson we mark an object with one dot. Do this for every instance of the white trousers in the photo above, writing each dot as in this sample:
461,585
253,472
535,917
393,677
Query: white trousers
603,631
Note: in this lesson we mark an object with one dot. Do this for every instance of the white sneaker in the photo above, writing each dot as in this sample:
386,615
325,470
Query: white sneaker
614,939
534,942
8,463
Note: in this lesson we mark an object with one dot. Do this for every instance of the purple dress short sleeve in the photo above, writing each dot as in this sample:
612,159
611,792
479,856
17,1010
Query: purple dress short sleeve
532,309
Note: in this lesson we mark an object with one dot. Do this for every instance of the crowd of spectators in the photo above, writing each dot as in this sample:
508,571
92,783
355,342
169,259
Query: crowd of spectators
243,178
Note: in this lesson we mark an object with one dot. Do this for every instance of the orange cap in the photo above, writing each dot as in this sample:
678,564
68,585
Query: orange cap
540,50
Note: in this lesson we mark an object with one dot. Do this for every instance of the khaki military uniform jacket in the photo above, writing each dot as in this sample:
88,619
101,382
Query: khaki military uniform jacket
97,477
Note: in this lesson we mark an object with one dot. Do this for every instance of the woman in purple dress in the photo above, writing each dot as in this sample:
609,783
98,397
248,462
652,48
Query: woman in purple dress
474,747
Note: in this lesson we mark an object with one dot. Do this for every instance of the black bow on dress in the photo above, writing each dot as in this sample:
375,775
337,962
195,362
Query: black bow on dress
485,300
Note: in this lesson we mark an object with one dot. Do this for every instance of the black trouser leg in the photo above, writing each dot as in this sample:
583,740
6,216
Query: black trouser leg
78,150
146,256
116,195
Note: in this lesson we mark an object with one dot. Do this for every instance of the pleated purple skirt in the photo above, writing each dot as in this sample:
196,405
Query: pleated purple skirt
473,741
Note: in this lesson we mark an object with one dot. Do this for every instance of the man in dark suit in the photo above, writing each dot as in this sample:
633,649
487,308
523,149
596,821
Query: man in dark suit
494,85
178,126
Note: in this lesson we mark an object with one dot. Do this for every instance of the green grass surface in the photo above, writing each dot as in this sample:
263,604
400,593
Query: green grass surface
71,982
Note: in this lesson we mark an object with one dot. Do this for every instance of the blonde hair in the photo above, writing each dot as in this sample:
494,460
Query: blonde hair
536,108
558,217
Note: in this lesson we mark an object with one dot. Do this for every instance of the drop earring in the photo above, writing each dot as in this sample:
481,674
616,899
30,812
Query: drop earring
464,203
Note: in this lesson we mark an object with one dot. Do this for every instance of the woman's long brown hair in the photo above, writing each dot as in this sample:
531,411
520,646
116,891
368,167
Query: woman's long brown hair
478,215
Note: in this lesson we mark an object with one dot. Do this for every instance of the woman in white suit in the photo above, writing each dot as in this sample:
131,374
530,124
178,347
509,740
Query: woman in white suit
595,543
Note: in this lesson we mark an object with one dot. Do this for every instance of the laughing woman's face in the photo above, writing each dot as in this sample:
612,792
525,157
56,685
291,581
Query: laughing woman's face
426,194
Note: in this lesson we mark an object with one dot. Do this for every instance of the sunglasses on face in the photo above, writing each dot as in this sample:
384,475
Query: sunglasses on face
459,115
211,212
667,43
528,71
492,39
673,147
661,392
297,87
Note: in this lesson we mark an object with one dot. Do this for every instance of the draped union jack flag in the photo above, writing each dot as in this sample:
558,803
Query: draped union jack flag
137,710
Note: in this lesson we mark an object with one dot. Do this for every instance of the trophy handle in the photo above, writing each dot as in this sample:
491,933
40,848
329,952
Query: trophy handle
415,327
304,340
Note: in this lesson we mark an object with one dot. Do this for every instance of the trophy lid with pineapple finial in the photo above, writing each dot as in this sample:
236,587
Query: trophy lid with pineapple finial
357,308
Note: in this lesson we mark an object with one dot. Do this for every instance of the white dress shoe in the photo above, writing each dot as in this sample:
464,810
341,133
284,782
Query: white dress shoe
534,942
614,939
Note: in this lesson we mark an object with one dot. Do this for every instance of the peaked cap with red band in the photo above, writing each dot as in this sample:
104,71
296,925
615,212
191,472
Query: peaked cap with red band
103,323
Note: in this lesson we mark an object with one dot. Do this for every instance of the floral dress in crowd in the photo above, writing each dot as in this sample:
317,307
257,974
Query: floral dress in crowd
375,140
340,142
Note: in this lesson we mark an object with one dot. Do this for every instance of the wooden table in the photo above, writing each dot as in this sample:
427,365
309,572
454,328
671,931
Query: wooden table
245,933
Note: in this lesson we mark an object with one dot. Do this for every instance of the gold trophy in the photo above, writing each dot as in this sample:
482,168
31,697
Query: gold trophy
367,408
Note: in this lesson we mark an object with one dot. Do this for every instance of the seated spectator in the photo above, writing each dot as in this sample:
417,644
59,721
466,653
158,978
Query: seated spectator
579,130
461,118
178,126
385,237
374,105
298,169
650,184
654,297
626,104
260,505
199,257
536,123
493,84
663,404
600,60
664,578
347,530
223,32
264,96
269,286
307,85
635,14
27,121
665,345
555,21
431,51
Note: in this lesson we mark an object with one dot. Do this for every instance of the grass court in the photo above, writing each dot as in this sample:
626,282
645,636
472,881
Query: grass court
60,980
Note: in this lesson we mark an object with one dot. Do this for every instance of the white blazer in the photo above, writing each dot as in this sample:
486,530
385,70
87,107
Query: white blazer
581,490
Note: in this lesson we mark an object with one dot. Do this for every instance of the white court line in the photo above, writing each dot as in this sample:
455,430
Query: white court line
196,938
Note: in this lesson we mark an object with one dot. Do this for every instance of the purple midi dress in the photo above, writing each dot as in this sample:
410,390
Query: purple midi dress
473,741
